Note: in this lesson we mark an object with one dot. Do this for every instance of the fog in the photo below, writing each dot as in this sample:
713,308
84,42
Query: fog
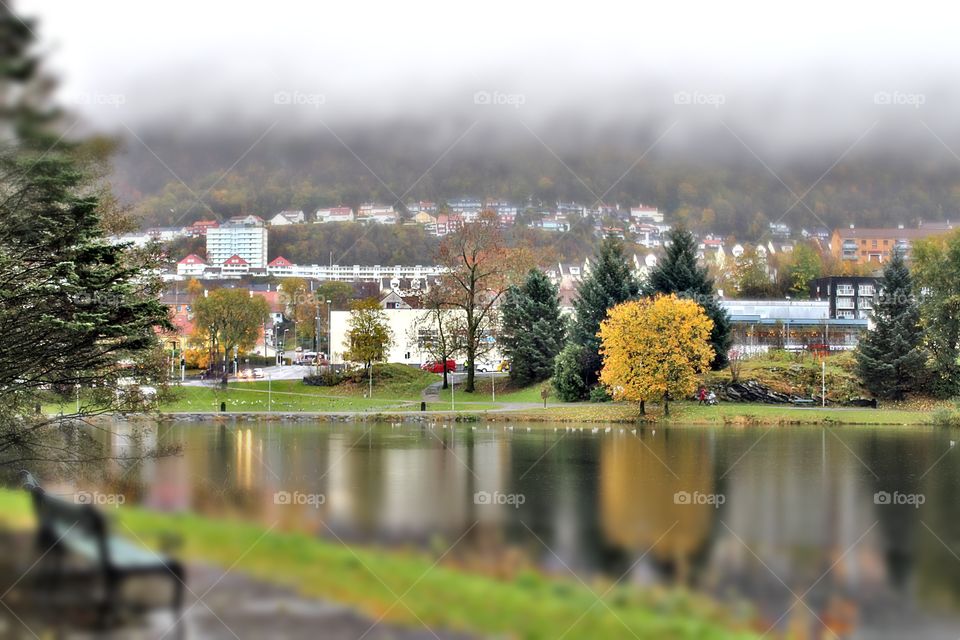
786,77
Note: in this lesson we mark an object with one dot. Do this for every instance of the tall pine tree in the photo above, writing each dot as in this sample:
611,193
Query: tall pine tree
681,273
609,282
890,358
532,329
77,310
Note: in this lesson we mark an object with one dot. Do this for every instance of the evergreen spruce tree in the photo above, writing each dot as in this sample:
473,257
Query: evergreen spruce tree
609,282
532,329
890,358
680,272
78,311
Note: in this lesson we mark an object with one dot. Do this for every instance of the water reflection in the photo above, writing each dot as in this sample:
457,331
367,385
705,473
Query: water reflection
794,524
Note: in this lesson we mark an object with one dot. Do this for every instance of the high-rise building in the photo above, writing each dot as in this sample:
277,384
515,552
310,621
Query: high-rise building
244,236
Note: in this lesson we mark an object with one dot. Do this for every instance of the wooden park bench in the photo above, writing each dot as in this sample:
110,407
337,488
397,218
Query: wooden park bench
81,530
802,401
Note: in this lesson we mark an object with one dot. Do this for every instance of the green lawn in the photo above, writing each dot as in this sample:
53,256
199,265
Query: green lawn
286,395
505,391
367,578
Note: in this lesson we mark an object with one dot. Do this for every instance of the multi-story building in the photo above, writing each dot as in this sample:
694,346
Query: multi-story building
849,297
866,245
243,236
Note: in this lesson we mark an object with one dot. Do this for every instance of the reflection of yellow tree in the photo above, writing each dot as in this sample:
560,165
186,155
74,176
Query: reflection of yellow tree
638,481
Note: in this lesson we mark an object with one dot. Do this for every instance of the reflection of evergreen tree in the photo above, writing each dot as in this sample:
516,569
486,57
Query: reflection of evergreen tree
896,461
567,476
937,567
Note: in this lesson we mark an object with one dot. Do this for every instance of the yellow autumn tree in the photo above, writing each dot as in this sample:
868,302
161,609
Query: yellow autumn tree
654,348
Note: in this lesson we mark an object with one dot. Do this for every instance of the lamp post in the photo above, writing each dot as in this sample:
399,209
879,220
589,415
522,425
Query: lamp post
330,331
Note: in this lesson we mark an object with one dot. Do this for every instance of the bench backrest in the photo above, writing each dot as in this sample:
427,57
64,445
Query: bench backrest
58,519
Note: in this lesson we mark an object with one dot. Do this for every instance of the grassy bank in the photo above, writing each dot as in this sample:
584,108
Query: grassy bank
435,594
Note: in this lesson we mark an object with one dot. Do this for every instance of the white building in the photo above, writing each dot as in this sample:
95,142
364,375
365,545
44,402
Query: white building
191,266
644,212
285,218
335,214
244,236
281,267
409,335
377,213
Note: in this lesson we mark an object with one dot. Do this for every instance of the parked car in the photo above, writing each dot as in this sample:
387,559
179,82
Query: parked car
258,373
246,374
484,366
437,367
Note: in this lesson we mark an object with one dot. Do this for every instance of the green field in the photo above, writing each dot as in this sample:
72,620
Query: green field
505,391
433,591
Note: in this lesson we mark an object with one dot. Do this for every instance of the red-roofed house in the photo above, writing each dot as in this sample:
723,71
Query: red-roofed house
192,265
199,228
280,266
235,266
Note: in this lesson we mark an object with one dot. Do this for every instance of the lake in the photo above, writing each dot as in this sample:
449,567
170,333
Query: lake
855,528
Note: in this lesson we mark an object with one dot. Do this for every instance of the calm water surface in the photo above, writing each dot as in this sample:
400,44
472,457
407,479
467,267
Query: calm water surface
860,524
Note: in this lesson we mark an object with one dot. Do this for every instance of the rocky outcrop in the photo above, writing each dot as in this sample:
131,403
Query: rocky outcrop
753,391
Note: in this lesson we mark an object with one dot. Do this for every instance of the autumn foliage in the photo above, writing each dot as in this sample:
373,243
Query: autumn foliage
654,348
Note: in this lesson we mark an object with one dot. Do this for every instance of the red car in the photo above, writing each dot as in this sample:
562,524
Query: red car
437,367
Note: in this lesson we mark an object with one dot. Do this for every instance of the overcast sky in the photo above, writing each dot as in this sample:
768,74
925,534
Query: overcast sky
792,71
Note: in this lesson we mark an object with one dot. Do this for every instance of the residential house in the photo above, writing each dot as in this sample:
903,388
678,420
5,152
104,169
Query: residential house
234,266
285,218
376,213
644,212
192,266
335,214
199,228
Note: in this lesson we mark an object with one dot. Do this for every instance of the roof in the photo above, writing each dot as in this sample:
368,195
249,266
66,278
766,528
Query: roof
192,259
280,261
235,260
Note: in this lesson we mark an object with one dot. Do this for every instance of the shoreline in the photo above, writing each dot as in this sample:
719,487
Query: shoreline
736,415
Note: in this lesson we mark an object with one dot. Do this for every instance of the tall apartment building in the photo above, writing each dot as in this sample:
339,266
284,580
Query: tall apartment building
244,236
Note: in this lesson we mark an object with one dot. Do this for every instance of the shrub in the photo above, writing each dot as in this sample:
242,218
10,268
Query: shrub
325,379
946,418
568,380
599,394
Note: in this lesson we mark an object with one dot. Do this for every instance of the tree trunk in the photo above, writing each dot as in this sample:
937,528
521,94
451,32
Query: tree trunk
445,385
472,366
643,408
666,404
